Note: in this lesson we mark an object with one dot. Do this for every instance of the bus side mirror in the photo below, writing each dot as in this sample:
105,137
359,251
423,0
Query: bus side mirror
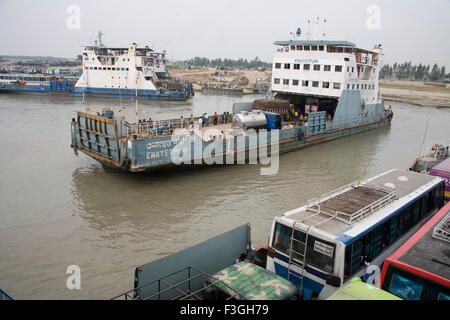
333,280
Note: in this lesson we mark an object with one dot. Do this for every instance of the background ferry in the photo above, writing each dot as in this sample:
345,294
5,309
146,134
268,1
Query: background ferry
349,232
108,72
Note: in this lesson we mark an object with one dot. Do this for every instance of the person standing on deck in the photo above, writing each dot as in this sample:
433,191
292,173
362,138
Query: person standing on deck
216,117
191,120
200,122
182,122
205,121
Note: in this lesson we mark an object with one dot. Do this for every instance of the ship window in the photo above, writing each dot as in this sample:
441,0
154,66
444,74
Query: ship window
128,59
338,68
286,81
126,69
123,59
299,48
305,83
353,86
357,87
315,84
306,48
346,59
277,65
313,48
295,82
287,65
292,47
327,68
353,69
109,68
321,48
348,69
336,85
348,86
276,81
306,67
86,68
95,68
325,84
317,67
296,66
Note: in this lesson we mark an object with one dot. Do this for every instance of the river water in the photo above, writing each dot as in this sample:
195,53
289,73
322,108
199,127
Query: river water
58,209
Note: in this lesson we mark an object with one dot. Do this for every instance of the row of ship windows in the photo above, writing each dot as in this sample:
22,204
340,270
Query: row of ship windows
317,48
106,68
316,67
315,84
305,83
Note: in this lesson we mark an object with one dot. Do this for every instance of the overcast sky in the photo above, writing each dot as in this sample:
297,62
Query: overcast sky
410,30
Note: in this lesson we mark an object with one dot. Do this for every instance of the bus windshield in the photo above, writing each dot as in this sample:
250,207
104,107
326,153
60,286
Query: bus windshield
319,254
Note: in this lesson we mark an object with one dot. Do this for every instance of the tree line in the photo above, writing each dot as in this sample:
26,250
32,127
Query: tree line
408,71
228,63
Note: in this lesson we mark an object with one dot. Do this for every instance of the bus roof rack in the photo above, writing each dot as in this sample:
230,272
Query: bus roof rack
442,229
352,202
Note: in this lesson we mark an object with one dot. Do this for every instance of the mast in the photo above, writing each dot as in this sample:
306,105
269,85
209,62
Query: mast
136,102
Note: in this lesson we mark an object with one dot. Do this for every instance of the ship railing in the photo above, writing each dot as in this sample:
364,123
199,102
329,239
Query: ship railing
182,290
154,127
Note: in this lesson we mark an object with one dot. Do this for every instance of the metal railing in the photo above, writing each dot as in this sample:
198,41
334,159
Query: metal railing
442,230
314,205
134,294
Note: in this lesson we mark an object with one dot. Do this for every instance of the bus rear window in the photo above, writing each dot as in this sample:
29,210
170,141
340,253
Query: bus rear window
319,253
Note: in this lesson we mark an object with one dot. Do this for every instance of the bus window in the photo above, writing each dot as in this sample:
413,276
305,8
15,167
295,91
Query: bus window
405,288
443,296
353,257
282,238
319,253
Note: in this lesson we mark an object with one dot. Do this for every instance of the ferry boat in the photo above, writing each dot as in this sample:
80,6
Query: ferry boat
431,155
333,84
350,231
131,72
419,269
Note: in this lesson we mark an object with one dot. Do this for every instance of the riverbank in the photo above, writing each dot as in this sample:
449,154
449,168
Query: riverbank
418,93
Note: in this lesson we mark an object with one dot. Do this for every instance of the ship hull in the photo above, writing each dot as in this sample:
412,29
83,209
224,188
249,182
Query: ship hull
64,89
154,154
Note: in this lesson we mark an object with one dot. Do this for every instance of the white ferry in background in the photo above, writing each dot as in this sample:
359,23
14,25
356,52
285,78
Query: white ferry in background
109,72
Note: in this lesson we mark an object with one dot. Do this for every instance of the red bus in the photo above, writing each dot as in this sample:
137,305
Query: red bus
420,268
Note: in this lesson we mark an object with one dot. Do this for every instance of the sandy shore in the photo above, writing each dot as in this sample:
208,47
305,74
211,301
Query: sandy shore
418,93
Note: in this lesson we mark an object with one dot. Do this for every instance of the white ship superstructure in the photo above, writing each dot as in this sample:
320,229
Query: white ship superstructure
114,72
319,72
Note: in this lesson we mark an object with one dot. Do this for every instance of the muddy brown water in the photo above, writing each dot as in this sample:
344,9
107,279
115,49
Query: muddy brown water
58,209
